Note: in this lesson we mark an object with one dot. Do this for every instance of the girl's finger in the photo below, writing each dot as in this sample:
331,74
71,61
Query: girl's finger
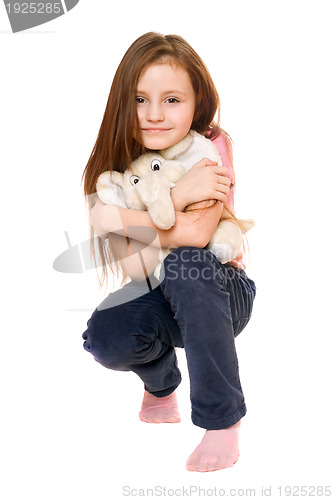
224,180
206,162
222,170
224,189
221,197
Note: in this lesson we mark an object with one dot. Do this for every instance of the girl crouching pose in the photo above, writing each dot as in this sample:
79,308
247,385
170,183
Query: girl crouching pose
161,90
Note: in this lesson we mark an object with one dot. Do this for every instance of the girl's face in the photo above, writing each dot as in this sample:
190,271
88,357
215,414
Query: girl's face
165,105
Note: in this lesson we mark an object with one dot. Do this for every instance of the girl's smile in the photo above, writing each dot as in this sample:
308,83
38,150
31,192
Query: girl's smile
165,105
155,130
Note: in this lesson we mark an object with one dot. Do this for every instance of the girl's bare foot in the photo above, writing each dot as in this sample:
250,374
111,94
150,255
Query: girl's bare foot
218,450
159,410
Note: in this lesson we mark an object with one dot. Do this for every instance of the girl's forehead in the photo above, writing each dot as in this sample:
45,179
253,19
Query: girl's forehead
162,72
166,59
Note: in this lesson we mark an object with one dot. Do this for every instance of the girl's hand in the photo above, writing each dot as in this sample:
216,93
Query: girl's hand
206,180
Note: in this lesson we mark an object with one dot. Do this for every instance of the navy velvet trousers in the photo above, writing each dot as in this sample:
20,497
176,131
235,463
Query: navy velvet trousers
201,305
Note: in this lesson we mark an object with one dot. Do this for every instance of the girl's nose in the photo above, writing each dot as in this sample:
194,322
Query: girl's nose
155,113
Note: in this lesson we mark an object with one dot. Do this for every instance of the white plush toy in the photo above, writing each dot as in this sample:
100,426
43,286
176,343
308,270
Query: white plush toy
147,182
145,185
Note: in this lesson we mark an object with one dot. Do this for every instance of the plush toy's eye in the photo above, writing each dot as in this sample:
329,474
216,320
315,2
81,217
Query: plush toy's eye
134,179
156,164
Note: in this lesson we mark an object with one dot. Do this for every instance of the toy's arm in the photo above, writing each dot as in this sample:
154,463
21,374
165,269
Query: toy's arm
191,228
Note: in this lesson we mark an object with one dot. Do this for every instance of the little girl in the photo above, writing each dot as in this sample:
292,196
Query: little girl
161,90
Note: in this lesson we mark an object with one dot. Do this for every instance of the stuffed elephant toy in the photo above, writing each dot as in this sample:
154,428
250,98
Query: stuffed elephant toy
146,185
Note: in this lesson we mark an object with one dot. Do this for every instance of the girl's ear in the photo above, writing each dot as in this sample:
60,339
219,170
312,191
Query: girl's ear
117,178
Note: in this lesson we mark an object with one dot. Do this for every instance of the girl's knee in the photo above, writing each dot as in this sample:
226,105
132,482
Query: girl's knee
102,340
115,343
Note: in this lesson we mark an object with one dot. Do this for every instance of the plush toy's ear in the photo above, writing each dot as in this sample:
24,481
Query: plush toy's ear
117,178
109,190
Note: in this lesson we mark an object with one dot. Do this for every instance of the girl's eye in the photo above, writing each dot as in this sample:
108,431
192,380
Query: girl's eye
134,179
172,100
156,164
140,100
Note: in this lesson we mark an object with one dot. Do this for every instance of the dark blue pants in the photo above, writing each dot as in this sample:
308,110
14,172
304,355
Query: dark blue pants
201,305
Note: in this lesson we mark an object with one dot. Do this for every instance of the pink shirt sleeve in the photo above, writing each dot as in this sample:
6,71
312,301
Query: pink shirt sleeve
224,147
223,144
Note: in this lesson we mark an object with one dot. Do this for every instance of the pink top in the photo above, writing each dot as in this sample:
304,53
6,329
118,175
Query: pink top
223,144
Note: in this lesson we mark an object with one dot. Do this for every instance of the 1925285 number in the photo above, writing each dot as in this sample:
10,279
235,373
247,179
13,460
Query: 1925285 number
34,8
301,491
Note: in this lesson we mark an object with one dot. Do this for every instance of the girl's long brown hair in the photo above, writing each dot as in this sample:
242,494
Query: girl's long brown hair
116,147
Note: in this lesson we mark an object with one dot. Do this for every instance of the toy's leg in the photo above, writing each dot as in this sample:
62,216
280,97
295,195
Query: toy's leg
211,304
139,335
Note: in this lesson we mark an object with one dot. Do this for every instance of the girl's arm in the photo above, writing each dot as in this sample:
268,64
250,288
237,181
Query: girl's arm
204,181
194,228
138,260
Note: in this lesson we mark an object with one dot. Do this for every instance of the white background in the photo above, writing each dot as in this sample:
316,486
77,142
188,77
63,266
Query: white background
69,428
